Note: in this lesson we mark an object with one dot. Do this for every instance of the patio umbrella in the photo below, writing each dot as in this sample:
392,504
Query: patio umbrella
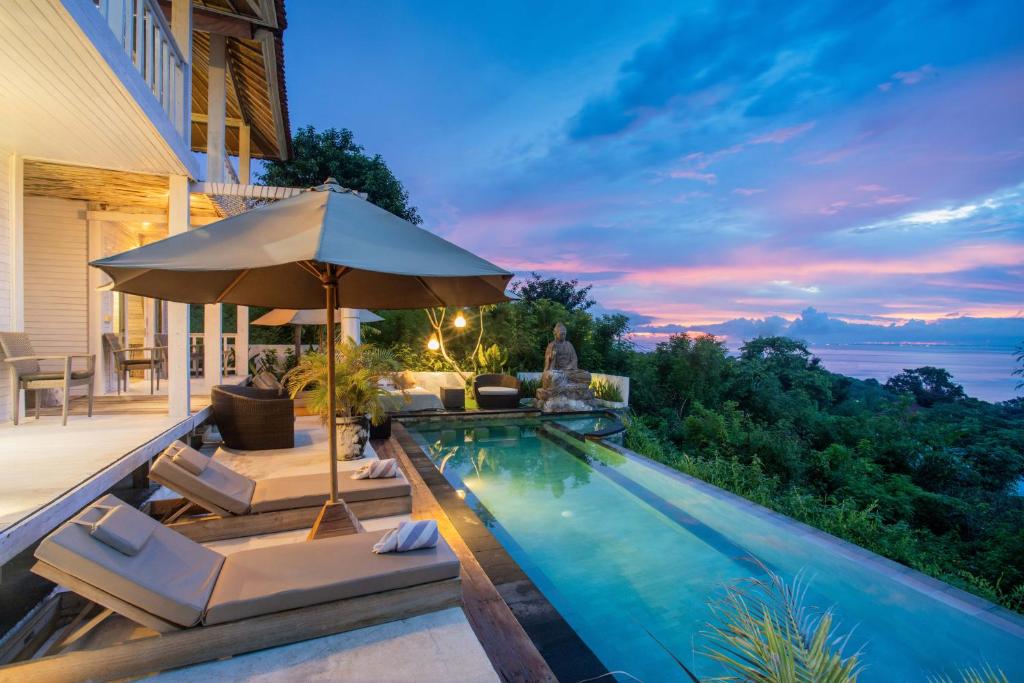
298,318
320,249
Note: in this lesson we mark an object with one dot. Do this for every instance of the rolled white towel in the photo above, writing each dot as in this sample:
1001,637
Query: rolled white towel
408,536
377,469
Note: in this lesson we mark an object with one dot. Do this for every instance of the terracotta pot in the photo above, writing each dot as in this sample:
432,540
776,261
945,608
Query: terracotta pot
353,433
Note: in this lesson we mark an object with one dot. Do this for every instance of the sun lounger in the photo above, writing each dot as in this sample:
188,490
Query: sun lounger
241,506
207,606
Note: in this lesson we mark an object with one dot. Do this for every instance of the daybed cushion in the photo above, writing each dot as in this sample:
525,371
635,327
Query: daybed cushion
405,380
307,490
277,578
219,485
187,458
122,530
412,400
171,577
497,391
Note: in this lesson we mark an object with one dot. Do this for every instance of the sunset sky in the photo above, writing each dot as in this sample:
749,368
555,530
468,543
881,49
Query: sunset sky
698,162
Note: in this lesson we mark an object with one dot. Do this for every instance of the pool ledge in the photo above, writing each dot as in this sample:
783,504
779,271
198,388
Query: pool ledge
959,599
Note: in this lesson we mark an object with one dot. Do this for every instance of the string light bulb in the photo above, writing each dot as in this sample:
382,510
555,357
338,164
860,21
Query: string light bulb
433,344
460,320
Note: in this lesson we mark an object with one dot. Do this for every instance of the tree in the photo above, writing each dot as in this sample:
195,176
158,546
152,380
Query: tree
566,292
1018,354
928,385
334,153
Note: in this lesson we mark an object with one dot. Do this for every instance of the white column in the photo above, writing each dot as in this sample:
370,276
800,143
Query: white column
242,342
242,331
215,138
181,27
17,219
178,390
96,279
350,324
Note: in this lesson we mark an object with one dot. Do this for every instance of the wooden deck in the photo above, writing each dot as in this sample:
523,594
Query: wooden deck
52,471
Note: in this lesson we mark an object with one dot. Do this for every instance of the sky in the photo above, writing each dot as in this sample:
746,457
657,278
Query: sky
698,162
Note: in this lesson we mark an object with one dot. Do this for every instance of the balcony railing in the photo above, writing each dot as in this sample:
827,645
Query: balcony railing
142,30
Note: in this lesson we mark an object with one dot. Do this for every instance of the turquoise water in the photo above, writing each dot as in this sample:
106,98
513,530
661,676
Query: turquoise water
631,556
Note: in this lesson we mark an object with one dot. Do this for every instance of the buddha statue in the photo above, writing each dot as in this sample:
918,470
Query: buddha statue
564,387
560,354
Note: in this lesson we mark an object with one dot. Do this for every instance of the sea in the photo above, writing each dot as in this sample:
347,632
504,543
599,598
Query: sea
985,373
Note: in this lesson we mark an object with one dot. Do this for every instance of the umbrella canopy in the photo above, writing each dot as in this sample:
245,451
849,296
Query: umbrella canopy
325,248
276,256
291,316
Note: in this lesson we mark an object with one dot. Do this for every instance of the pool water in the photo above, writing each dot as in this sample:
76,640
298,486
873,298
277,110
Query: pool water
631,556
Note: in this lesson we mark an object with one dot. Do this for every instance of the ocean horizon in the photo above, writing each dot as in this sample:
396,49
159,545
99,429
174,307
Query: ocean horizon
985,372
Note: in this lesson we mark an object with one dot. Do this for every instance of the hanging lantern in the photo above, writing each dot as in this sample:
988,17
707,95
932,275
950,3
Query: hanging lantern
460,320
433,344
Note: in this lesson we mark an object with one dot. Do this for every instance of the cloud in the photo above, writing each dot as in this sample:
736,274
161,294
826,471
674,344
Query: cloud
780,135
709,178
912,77
748,191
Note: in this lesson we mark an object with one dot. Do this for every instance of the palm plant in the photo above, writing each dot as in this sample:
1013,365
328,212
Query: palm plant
766,634
358,371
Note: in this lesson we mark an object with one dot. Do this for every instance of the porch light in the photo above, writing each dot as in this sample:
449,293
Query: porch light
460,320
433,344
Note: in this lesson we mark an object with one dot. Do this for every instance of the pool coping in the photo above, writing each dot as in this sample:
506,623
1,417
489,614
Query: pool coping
569,657
957,598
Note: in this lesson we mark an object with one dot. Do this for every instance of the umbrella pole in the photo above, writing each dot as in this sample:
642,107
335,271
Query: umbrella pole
298,342
331,285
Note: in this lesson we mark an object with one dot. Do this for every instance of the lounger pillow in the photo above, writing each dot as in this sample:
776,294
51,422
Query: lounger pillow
187,458
377,469
408,536
122,530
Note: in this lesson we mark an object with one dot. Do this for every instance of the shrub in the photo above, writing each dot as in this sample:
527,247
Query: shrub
606,391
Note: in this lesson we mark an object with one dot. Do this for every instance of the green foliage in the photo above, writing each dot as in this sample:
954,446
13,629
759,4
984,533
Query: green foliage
333,153
528,387
766,634
928,386
358,369
985,675
606,391
931,487
1018,355
492,359
569,293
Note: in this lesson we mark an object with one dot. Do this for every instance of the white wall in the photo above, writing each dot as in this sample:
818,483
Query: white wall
56,281
5,276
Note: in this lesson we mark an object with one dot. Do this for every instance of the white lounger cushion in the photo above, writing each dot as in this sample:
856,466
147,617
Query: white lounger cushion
289,576
187,458
218,485
171,577
497,391
308,490
121,530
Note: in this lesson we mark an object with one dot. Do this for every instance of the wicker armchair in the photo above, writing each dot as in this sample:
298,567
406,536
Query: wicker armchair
253,419
496,391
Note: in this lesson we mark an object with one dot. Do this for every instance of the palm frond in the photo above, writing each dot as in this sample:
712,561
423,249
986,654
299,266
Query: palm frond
971,675
767,634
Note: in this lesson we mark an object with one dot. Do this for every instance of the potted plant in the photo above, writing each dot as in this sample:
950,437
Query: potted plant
359,368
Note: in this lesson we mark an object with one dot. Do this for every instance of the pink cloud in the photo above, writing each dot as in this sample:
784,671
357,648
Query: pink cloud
748,191
833,208
686,174
780,135
872,187
893,199
912,77
756,267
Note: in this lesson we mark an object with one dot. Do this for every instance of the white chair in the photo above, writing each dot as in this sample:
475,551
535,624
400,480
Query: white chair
26,373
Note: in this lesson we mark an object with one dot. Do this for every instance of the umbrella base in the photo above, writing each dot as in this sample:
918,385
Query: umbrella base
335,519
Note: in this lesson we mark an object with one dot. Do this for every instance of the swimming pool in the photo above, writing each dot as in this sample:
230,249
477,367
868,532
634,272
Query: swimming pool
630,554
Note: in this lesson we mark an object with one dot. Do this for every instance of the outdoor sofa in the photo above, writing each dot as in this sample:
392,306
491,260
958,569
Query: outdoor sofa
253,419
205,606
496,392
413,392
240,506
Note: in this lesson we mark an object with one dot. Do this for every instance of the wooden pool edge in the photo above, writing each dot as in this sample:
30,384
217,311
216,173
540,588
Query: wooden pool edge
522,633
